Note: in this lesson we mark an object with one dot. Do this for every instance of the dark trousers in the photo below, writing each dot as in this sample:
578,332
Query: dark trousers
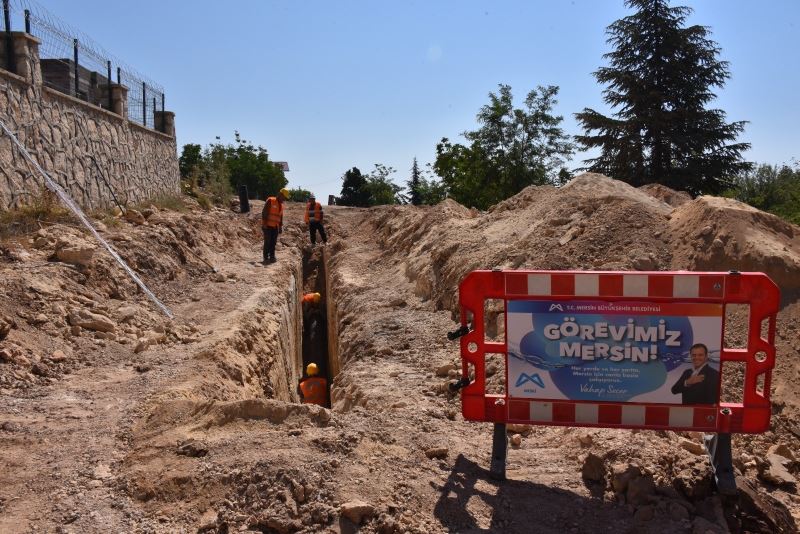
313,228
270,240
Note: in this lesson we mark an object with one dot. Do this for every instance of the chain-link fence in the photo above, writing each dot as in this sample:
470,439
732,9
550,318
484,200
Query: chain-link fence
72,63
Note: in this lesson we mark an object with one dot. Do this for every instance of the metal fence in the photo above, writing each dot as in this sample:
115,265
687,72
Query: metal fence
74,64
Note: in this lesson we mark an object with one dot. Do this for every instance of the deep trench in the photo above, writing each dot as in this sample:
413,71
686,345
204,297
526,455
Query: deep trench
315,324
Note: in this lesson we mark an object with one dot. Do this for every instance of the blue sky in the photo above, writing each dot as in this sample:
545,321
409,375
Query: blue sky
327,85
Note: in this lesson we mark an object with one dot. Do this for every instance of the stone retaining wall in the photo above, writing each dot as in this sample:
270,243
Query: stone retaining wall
80,145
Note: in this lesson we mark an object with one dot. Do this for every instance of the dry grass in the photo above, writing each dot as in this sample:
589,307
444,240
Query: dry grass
46,209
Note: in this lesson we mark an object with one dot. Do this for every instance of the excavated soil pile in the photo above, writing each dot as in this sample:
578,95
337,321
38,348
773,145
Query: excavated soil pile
115,419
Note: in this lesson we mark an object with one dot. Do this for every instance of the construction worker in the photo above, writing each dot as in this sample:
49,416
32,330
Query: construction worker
313,389
272,223
313,218
310,303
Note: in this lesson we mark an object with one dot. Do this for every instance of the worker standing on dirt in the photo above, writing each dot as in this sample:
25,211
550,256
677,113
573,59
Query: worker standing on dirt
313,218
313,389
272,223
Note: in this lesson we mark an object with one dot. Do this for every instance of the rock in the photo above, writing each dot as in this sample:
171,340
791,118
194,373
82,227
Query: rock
397,303
777,473
126,313
6,356
142,367
192,448
6,324
586,440
516,440
640,490
593,469
58,356
208,521
75,253
444,369
621,475
41,242
116,212
141,345
135,217
514,428
782,450
218,277
692,446
40,319
644,263
677,511
644,514
437,452
148,212
40,369
91,321
356,511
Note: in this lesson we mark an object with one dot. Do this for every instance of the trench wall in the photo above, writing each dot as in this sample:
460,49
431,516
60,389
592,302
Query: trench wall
78,144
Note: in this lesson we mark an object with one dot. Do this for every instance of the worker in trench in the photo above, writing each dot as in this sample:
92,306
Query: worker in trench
313,389
272,223
313,218
311,306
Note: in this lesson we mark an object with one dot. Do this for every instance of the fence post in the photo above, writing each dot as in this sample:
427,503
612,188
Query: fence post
108,84
11,59
162,102
28,21
75,57
119,75
144,104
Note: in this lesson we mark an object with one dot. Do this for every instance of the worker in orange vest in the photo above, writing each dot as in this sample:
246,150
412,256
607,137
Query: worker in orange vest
310,303
272,223
313,218
313,389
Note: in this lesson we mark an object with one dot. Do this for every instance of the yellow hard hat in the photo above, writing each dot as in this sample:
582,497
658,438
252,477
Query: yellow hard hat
312,369
284,193
316,297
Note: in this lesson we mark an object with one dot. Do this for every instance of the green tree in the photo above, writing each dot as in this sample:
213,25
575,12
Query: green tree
354,189
191,156
298,194
250,165
512,149
415,185
770,188
381,189
660,79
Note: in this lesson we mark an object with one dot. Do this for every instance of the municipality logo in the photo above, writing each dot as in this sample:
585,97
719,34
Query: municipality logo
524,378
556,307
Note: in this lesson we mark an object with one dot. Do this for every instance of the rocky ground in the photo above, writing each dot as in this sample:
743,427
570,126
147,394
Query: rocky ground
114,418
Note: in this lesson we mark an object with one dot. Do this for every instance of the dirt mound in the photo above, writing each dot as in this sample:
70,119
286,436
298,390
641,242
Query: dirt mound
665,194
720,234
601,186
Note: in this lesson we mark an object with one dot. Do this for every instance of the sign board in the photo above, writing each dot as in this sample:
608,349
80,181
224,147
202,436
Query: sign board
619,349
613,351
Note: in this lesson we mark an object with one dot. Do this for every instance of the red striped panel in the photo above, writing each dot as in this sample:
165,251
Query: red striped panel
707,286
609,414
519,410
656,416
562,284
516,284
563,412
705,418
610,285
659,285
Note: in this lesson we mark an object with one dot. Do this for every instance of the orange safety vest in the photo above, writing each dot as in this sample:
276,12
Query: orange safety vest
315,390
314,210
308,298
272,215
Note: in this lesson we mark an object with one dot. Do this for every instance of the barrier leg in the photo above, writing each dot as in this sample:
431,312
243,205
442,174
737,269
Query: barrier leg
497,469
721,457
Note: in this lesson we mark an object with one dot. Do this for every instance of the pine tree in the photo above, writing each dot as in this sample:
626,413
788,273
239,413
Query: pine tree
415,185
354,189
660,79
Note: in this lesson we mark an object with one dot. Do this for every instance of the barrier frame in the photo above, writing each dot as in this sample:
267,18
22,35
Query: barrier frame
756,290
